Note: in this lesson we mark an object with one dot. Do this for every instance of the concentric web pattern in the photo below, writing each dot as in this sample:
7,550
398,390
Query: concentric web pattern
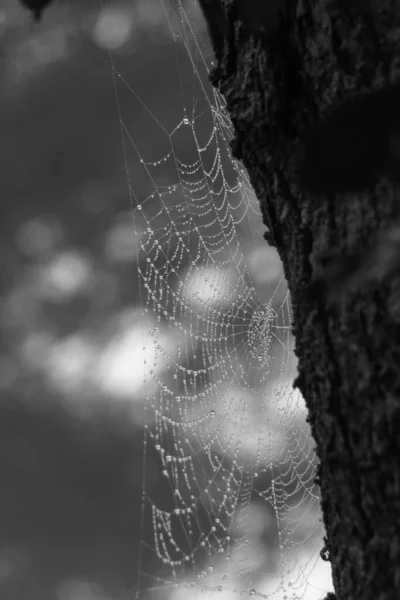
229,504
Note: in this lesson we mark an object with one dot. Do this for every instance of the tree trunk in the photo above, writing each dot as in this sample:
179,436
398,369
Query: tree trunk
279,70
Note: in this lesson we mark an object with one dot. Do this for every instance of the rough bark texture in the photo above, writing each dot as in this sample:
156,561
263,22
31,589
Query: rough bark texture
275,84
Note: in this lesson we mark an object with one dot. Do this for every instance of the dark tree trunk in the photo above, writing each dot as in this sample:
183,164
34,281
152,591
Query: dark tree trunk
277,80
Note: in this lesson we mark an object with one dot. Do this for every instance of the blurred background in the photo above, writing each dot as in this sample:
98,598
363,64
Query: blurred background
78,132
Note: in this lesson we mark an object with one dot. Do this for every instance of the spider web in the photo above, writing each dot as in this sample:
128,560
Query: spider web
229,505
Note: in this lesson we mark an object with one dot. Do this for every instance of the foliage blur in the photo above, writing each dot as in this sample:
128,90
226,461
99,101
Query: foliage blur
70,444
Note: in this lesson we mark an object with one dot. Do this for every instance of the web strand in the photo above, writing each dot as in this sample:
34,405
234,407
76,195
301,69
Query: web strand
225,431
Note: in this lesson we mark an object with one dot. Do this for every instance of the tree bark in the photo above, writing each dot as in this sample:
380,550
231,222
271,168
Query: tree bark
277,80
